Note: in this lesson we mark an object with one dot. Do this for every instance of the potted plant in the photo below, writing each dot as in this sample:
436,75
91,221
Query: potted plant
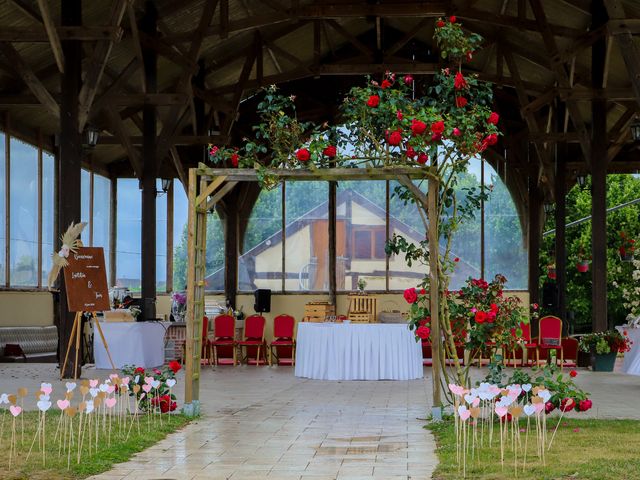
582,260
604,348
551,271
627,247
362,283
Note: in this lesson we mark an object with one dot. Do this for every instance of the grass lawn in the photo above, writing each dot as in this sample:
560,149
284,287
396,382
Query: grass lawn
582,449
91,464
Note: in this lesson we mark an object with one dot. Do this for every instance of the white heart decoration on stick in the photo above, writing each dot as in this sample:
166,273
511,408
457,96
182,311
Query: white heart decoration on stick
526,387
103,387
94,392
4,398
71,386
46,388
545,395
469,398
155,383
529,410
44,405
171,382
90,407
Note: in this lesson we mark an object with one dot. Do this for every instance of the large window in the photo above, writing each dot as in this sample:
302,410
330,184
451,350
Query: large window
23,198
3,213
161,241
128,241
48,212
101,215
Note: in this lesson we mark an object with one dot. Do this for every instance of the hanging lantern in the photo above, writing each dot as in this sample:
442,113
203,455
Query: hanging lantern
581,179
548,208
635,129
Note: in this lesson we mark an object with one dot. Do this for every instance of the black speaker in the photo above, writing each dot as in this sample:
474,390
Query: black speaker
263,300
550,297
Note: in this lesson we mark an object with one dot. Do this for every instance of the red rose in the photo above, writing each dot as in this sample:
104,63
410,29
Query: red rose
139,370
481,317
213,150
423,158
549,407
461,102
459,82
494,307
491,317
424,292
234,159
440,24
452,19
374,101
535,306
437,127
423,332
410,295
385,84
330,151
456,259
395,138
175,366
408,80
491,139
624,332
573,374
493,118
418,127
585,405
456,132
411,153
567,403
399,115
303,155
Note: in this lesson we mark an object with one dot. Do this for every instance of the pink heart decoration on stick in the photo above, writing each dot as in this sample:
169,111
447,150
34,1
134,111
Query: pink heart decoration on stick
110,402
539,407
147,387
148,380
15,410
501,411
63,404
93,383
476,402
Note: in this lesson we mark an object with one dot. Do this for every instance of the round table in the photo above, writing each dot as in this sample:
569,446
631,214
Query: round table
130,343
361,351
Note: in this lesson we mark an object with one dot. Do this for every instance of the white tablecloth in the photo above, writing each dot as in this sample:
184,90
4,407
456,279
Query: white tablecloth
335,351
130,343
631,363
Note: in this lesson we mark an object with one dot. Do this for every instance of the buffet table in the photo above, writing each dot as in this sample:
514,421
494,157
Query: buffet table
340,351
130,343
631,363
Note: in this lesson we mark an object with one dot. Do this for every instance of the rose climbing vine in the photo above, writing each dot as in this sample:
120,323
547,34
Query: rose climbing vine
384,124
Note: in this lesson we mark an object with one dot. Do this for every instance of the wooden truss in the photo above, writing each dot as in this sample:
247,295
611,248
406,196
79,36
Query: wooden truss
207,186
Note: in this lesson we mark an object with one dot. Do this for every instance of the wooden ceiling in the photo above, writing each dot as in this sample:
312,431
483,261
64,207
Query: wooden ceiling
213,55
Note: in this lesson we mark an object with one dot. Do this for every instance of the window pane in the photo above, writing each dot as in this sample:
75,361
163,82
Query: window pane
466,240
85,194
3,209
128,240
504,247
215,245
307,236
101,211
161,240
361,212
48,202
405,220
260,265
24,214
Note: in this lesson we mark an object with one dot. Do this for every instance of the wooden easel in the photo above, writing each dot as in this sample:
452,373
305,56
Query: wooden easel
76,333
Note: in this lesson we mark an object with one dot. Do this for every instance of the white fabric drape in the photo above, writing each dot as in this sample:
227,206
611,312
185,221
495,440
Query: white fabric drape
130,343
334,351
631,363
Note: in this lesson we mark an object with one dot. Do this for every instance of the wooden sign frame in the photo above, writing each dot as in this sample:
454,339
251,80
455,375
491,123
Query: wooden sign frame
85,280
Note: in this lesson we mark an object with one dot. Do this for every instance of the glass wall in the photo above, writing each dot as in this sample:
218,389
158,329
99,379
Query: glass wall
101,215
128,241
48,212
23,198
161,240
85,205
3,212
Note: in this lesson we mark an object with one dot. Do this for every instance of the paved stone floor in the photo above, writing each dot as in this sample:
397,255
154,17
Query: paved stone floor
261,422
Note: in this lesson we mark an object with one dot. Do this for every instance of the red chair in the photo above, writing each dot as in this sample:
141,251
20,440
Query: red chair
254,338
550,337
225,333
569,352
283,343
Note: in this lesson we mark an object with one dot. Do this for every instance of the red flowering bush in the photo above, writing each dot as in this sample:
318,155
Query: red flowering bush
423,332
303,155
160,396
374,101
410,295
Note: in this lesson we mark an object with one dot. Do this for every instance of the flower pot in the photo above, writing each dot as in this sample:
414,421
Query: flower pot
626,256
582,267
603,363
551,273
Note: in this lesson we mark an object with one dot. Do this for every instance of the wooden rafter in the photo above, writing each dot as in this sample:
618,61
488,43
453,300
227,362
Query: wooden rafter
177,139
52,33
97,64
179,166
619,133
118,84
118,128
628,48
407,37
219,195
515,23
561,76
38,34
30,78
365,49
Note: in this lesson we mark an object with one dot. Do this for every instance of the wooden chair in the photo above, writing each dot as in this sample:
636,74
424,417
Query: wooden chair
225,332
253,337
550,337
363,309
284,340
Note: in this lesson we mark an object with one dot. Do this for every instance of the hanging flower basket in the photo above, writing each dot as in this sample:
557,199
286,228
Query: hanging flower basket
627,247
551,272
626,255
583,266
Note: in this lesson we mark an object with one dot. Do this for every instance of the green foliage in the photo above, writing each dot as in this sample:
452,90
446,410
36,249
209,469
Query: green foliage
605,342
620,189
453,41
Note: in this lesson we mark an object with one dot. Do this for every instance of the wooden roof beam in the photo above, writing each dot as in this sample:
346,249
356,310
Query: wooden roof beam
30,78
511,22
180,140
120,132
52,33
39,34
561,76
628,48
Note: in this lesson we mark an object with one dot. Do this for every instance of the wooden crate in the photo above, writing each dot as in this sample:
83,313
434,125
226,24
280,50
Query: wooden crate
318,311
360,317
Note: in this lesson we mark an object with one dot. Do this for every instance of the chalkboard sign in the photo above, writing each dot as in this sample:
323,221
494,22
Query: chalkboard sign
86,281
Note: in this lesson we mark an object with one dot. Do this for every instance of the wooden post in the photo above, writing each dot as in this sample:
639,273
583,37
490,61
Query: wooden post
148,25
561,218
599,177
70,160
113,230
7,201
231,246
191,287
333,188
170,237
535,210
434,295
